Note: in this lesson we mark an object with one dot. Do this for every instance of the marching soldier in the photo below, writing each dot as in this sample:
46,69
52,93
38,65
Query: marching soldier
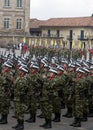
78,100
33,91
19,97
5,94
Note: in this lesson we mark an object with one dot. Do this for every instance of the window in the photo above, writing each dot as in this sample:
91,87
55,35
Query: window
19,3
48,33
82,34
58,33
19,24
6,3
6,23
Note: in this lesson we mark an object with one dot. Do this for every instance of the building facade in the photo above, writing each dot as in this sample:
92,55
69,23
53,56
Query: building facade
14,18
77,29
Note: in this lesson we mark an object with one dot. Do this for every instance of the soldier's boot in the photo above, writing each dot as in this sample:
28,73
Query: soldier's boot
1,118
44,123
69,115
4,120
66,113
21,125
33,119
41,115
29,119
62,105
78,123
90,113
57,119
74,122
17,125
27,111
48,124
84,117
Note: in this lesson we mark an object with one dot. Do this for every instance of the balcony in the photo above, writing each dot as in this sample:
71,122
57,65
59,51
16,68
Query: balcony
82,38
69,38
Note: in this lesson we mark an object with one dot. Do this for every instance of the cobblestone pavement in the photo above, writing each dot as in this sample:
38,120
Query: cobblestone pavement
63,125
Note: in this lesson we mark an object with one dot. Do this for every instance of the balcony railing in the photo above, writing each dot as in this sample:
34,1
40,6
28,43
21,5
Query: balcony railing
85,38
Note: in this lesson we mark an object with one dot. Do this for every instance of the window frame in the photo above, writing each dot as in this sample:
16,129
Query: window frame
19,3
19,23
6,23
6,3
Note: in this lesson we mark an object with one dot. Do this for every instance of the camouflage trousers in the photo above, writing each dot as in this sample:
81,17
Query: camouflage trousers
57,105
91,102
46,108
19,109
85,103
32,104
4,106
78,109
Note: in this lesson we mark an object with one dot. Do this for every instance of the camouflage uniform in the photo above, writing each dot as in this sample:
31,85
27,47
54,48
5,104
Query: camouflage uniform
68,93
19,98
46,102
90,88
32,95
85,96
4,99
58,87
78,103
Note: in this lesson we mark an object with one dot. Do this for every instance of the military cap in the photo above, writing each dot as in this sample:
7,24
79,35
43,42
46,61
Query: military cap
7,65
86,69
24,69
78,64
34,65
44,61
60,67
53,70
72,65
85,64
91,67
80,70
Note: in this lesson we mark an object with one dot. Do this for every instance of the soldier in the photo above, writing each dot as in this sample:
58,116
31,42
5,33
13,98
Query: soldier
90,82
5,92
85,93
78,101
32,92
48,97
19,97
68,90
59,86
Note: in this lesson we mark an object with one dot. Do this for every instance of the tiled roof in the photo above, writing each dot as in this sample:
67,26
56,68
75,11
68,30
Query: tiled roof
35,23
63,22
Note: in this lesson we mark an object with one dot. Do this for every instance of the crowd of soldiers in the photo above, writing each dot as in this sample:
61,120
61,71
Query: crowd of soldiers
48,82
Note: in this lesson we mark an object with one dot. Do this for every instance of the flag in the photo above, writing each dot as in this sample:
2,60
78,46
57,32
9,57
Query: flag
29,44
55,43
46,43
90,44
24,40
52,42
73,44
82,45
61,42
35,42
40,42
79,45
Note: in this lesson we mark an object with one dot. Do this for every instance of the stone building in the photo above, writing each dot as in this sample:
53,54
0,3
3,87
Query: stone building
76,29
14,19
